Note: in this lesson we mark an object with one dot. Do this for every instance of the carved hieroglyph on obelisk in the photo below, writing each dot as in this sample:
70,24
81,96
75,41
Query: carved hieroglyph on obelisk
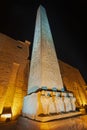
44,69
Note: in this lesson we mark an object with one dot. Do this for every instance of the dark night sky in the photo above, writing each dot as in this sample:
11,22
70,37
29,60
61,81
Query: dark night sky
67,19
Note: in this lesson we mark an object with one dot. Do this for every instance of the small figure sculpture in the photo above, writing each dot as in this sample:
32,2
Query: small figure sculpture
73,100
52,108
59,103
45,102
68,105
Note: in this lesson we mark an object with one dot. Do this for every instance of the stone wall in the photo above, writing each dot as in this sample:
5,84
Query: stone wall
12,51
73,81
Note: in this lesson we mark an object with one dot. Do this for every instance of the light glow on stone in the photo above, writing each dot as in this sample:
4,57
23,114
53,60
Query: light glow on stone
6,115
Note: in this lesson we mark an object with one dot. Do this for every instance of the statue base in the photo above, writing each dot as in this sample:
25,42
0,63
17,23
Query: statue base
46,105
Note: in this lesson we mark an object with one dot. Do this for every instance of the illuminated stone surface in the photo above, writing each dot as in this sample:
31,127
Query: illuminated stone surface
44,69
45,103
77,123
74,82
73,104
11,86
68,105
44,73
59,104
13,73
45,106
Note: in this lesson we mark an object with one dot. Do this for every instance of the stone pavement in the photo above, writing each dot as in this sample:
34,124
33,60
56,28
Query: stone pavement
8,125
74,123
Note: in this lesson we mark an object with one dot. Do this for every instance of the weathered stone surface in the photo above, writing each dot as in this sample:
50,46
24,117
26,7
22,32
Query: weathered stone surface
75,123
73,81
44,69
45,72
12,51
49,105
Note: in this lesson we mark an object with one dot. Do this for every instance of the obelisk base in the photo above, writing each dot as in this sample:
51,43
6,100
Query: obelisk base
46,105
31,105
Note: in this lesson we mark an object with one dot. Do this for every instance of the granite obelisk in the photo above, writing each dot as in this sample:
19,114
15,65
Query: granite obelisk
45,77
44,69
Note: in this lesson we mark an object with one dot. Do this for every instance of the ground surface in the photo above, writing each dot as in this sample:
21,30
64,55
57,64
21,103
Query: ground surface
75,123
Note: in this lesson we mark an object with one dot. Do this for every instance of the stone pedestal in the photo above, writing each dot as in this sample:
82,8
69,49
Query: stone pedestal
30,106
45,103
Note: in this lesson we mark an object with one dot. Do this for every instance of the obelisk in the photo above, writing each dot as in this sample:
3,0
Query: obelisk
44,71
